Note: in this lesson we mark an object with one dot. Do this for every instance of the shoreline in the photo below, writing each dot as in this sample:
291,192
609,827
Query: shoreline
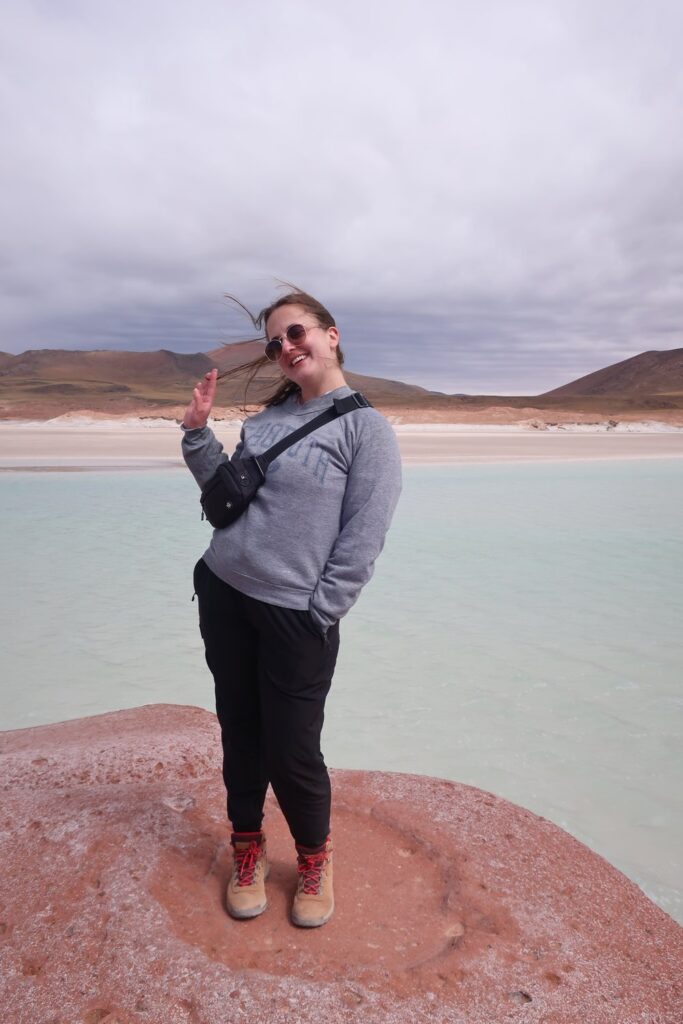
82,445
579,424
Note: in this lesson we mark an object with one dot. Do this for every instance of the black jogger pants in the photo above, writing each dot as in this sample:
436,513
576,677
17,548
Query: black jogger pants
272,671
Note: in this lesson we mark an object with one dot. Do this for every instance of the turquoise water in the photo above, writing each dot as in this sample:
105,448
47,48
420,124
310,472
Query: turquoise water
522,633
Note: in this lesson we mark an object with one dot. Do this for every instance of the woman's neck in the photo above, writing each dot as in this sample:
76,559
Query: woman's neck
331,384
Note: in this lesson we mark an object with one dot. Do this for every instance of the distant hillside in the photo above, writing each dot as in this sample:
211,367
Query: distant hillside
378,390
646,376
51,381
101,366
43,383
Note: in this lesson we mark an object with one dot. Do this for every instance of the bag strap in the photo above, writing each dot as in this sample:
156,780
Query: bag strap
339,407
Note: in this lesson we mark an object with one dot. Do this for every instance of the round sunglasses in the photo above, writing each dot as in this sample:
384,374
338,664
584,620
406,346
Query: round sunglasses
294,333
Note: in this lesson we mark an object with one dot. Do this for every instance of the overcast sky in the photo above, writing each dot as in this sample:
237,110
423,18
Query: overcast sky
487,195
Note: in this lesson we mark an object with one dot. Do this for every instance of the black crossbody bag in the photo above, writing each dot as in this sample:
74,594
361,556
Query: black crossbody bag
236,481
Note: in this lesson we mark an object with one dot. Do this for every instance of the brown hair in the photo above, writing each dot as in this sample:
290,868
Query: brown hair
285,387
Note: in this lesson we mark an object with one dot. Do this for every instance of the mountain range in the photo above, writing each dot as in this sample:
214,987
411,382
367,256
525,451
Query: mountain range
43,383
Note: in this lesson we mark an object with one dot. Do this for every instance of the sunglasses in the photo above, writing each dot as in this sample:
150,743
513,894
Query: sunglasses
294,333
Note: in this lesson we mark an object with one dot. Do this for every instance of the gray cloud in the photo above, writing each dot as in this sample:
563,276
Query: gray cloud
487,196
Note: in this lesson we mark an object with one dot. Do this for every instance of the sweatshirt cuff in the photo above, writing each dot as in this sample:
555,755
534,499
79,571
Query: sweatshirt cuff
193,432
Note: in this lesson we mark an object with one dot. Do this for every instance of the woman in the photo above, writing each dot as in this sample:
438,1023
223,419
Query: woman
273,585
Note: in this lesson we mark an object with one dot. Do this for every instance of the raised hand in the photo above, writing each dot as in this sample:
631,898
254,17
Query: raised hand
197,412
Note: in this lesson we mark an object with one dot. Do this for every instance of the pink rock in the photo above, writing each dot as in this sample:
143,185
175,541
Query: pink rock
452,905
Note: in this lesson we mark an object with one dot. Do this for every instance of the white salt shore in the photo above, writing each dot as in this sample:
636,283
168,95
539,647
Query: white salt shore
81,442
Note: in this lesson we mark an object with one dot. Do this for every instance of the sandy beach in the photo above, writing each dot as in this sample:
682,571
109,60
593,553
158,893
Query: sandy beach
137,443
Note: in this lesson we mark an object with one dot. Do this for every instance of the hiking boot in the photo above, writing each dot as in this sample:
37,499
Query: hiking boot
314,900
246,892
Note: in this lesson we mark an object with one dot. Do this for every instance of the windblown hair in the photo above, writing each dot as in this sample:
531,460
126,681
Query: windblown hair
285,387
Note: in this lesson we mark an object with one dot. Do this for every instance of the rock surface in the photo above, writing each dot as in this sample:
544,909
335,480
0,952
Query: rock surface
452,905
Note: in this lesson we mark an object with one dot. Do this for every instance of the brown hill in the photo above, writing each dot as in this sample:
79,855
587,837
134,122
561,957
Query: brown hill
52,381
43,383
377,389
40,384
648,375
102,366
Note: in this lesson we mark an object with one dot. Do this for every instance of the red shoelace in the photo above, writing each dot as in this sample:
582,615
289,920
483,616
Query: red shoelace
310,867
245,861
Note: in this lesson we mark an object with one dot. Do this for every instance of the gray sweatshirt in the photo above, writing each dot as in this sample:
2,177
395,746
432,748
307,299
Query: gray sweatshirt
310,537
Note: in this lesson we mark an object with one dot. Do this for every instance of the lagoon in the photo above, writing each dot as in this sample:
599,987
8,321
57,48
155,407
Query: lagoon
522,633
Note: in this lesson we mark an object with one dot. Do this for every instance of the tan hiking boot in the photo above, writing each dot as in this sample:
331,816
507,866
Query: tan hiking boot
246,892
314,900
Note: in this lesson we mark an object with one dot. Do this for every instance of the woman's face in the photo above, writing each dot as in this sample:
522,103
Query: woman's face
310,361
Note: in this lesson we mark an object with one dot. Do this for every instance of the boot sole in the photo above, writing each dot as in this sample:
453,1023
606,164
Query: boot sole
245,915
302,923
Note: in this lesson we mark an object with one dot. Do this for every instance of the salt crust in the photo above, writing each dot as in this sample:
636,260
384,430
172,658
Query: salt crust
452,904
97,425
527,426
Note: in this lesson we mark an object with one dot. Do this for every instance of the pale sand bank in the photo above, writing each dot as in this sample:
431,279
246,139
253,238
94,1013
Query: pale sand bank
156,444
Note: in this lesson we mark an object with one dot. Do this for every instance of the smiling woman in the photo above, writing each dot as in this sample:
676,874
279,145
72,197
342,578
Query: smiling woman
305,349
274,583
290,324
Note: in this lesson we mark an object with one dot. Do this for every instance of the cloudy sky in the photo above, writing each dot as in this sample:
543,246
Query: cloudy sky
487,195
